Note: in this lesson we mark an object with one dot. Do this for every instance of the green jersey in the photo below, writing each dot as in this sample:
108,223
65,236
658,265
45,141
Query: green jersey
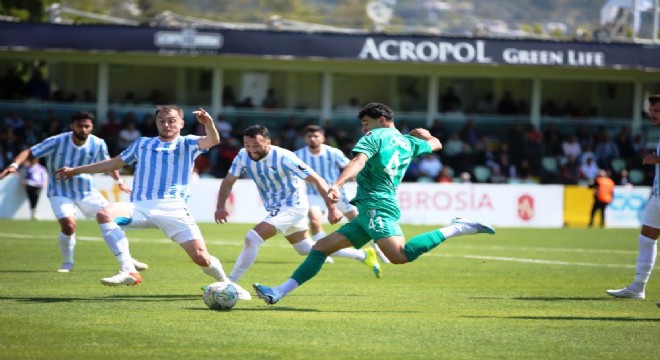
389,154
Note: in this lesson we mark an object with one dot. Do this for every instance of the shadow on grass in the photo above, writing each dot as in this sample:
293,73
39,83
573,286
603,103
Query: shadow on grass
264,308
141,298
543,298
571,318
28,271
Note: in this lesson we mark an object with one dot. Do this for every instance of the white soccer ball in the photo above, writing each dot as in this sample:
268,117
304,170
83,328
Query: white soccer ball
220,296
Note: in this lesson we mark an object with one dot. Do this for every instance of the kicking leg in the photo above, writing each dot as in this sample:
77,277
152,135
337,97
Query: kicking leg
307,270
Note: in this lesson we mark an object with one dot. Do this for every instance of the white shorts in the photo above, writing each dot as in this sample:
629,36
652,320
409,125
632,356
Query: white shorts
343,205
90,205
651,215
288,220
169,215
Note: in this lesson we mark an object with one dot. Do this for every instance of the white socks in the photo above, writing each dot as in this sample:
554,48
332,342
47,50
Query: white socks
288,286
118,243
247,256
457,229
318,236
67,245
215,270
648,250
351,253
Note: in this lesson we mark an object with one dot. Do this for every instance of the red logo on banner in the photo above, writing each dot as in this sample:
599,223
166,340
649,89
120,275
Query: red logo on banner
526,207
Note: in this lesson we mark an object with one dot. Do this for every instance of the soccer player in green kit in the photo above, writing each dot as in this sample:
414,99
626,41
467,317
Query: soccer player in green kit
382,156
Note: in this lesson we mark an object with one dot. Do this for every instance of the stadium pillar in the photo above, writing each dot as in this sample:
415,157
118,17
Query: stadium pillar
656,19
432,101
216,91
535,108
326,96
102,92
638,102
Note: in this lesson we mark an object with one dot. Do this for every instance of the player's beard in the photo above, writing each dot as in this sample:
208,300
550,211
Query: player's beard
314,147
81,136
258,156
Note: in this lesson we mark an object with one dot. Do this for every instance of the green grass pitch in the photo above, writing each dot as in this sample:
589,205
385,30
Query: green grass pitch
523,294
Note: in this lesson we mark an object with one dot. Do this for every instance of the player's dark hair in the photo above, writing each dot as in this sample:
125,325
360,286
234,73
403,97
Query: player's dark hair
82,115
314,128
168,108
256,130
376,110
654,99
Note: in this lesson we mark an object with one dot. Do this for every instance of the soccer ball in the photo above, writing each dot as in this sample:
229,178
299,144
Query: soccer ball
220,296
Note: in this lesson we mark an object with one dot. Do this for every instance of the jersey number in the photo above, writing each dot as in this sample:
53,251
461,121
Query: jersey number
392,167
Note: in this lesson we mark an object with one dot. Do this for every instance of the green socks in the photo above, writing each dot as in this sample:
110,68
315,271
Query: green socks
310,267
422,244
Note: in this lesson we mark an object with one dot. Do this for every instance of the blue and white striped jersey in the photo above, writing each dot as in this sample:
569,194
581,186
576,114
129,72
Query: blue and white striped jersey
327,163
279,177
60,151
163,168
656,179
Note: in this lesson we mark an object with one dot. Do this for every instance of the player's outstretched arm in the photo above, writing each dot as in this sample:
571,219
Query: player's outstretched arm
350,171
426,135
334,215
104,166
225,190
212,137
18,160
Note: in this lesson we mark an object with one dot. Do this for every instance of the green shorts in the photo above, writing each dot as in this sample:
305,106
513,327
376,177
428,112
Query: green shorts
374,221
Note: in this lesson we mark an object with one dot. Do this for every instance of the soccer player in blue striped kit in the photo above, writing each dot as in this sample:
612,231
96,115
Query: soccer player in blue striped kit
279,176
648,236
160,190
71,148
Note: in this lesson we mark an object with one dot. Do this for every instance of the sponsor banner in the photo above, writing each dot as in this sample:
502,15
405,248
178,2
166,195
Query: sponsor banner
578,201
404,48
499,205
429,204
625,211
626,208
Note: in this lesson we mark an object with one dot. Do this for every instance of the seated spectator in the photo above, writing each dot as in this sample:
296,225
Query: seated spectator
507,168
571,147
589,170
465,178
228,97
605,151
438,131
570,171
487,104
148,126
269,102
453,146
445,175
496,176
14,120
37,87
430,166
506,105
450,101
469,133
127,135
224,127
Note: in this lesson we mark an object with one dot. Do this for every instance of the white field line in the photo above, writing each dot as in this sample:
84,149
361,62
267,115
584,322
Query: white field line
282,244
533,261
